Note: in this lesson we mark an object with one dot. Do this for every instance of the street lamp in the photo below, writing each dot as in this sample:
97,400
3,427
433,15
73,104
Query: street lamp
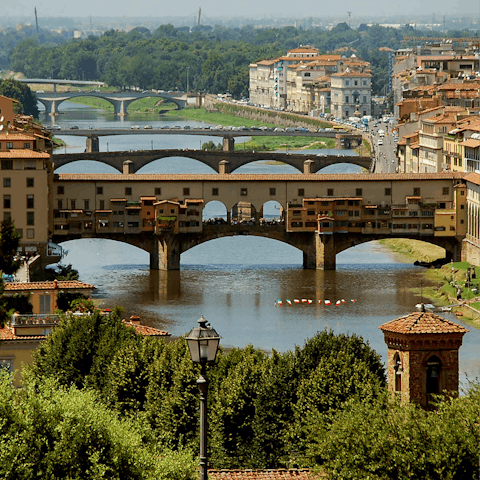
203,345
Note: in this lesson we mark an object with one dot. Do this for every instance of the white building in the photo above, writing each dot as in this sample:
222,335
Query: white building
351,92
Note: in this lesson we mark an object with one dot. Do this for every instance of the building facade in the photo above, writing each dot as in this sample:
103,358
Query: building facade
351,94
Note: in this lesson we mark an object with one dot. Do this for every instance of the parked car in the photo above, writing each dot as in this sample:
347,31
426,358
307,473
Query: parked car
135,127
147,127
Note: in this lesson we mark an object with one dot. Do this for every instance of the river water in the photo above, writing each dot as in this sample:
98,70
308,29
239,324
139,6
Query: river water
235,282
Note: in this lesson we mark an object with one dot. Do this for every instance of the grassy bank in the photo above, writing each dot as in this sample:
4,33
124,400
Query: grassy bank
141,106
411,250
256,143
442,282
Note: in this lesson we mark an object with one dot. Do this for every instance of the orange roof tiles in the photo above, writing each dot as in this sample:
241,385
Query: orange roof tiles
278,474
473,178
471,142
213,177
146,330
4,136
8,333
421,323
23,153
56,284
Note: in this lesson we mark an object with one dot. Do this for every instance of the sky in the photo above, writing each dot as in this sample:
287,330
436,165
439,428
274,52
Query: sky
239,8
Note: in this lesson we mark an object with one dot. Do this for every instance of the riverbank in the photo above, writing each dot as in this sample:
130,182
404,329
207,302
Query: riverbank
444,283
255,143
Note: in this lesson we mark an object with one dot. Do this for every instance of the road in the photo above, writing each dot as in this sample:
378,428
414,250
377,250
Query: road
385,153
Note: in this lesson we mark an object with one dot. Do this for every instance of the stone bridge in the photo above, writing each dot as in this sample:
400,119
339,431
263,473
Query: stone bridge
319,251
219,161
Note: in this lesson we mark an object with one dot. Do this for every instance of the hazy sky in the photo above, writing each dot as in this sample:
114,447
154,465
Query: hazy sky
243,8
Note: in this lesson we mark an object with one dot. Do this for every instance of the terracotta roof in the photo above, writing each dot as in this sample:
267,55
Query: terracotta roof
213,177
23,153
422,322
60,285
473,178
146,330
351,74
471,142
279,474
8,333
4,136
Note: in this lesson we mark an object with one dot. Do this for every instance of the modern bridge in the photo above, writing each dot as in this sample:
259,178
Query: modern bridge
119,100
220,161
343,139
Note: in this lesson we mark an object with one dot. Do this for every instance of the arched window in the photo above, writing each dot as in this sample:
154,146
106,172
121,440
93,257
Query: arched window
398,372
434,366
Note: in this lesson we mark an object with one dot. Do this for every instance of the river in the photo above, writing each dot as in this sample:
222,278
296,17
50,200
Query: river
235,282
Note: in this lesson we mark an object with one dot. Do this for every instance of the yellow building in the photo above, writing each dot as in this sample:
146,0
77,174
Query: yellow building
26,172
43,296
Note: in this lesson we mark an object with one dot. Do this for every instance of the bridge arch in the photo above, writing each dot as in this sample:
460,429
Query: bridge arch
267,251
272,210
261,165
215,212
176,164
120,101
449,244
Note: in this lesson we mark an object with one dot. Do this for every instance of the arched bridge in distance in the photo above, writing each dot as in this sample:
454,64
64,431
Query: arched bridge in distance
119,100
219,161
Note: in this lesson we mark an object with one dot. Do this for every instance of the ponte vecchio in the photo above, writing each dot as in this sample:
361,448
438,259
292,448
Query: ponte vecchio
321,215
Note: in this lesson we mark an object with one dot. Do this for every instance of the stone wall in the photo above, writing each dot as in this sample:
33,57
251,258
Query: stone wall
471,252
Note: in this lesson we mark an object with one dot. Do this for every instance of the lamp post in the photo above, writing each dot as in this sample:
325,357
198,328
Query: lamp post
203,345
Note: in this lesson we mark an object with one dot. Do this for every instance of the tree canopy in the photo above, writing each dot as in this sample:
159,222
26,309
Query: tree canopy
215,59
323,406
26,99
9,240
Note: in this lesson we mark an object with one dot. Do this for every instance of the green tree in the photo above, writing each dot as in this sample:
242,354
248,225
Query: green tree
50,432
381,439
27,101
234,390
61,272
9,240
79,351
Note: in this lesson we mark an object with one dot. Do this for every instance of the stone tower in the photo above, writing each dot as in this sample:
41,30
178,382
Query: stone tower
422,356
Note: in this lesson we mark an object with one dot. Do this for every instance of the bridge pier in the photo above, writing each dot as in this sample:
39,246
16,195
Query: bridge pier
120,107
166,253
321,254
228,144
93,144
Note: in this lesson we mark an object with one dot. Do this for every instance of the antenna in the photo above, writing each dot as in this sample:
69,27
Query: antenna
199,14
349,17
36,19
